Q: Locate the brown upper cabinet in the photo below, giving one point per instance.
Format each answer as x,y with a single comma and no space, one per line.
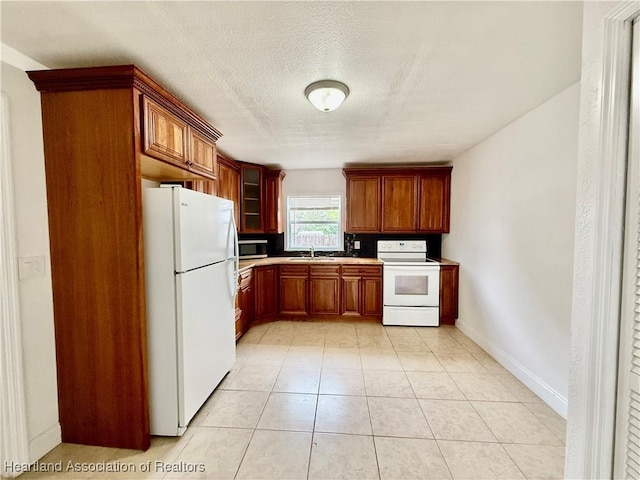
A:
434,201
203,155
260,199
251,208
272,201
168,138
205,186
165,135
229,183
363,203
398,203
398,200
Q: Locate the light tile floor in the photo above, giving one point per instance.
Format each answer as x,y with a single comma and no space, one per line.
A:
323,400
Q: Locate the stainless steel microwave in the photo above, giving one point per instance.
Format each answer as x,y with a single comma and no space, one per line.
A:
252,249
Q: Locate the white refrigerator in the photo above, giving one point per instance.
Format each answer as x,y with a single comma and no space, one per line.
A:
190,242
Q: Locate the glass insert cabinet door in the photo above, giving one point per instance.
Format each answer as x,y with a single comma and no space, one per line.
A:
251,183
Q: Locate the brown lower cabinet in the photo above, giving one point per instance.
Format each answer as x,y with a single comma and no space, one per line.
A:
238,317
265,280
351,288
361,290
332,290
324,290
293,289
449,275
245,302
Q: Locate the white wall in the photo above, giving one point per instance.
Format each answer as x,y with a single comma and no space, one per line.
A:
512,230
329,181
36,302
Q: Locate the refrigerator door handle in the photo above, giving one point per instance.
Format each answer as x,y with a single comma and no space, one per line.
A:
232,227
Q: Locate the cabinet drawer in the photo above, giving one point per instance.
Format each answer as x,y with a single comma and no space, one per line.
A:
245,281
246,274
360,270
165,136
294,270
325,270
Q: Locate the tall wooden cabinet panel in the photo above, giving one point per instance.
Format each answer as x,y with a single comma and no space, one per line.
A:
97,267
363,204
229,184
449,281
293,289
433,205
251,214
265,280
398,203
272,201
94,147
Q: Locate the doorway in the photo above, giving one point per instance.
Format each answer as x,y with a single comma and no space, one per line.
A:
627,436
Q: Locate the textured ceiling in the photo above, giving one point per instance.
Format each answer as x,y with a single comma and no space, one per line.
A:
428,79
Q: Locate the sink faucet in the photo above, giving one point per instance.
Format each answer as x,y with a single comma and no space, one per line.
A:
312,251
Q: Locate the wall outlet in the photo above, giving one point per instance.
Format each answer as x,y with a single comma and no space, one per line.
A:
30,267
356,244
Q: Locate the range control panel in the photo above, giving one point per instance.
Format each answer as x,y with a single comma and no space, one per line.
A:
400,246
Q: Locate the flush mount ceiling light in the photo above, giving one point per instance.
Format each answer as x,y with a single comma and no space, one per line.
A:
326,95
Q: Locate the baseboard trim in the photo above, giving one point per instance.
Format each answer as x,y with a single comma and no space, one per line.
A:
45,442
545,392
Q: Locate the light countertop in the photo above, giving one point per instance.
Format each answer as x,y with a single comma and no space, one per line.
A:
244,264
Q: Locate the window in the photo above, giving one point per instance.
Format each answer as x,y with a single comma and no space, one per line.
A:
314,220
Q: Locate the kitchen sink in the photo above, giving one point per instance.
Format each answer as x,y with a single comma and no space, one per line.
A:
314,259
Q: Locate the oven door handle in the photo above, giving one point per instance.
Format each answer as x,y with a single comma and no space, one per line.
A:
414,269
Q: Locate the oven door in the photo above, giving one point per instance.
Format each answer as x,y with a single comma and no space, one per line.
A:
411,285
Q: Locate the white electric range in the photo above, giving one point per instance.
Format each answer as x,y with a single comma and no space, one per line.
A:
411,285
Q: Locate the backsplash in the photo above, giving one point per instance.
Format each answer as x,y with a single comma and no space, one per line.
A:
368,244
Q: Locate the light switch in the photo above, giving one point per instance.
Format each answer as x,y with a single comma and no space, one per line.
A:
356,244
30,267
